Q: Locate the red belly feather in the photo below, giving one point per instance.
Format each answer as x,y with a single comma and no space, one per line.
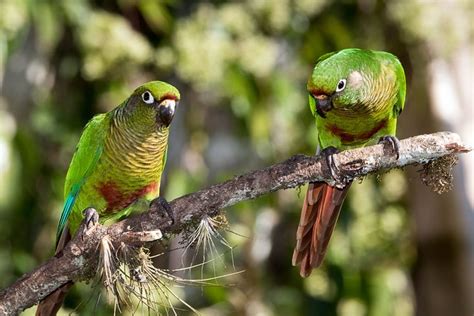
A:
118,199
349,137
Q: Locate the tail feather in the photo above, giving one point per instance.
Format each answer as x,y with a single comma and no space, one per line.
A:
50,305
319,214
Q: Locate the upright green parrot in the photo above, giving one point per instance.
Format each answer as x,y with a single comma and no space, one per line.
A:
356,96
117,166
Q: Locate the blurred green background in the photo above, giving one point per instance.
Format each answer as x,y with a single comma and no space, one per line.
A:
241,67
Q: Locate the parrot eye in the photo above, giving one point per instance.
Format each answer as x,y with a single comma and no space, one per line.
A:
341,85
147,97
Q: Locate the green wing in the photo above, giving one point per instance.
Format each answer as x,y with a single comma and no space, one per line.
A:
83,163
398,108
397,67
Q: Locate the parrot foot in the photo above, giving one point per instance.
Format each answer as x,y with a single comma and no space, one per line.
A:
161,204
392,144
328,153
91,219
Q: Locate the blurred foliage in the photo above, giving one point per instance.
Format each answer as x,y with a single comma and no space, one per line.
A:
241,67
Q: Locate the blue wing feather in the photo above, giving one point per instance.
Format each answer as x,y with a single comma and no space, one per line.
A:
69,203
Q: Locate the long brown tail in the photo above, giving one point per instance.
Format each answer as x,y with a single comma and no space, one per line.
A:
50,305
319,214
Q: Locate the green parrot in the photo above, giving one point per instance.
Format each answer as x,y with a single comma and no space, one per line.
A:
356,97
117,166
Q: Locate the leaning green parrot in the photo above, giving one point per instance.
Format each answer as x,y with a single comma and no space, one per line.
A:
117,166
356,97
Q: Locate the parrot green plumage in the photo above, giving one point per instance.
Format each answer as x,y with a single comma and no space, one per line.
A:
118,163
356,96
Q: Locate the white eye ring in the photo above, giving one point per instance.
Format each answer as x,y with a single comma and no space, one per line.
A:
147,97
341,85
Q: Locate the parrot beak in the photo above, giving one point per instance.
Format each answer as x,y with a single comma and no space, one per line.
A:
323,104
166,110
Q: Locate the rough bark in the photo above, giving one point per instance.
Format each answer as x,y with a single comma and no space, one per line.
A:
78,260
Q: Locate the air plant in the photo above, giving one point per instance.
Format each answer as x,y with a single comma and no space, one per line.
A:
205,239
129,275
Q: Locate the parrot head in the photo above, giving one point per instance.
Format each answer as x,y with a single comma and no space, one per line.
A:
342,80
154,102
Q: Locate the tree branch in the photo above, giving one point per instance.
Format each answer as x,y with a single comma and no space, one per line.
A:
78,261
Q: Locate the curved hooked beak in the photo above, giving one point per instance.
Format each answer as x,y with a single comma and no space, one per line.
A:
323,104
166,110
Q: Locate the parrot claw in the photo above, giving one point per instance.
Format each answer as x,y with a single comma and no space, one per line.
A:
91,219
328,153
392,143
161,204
